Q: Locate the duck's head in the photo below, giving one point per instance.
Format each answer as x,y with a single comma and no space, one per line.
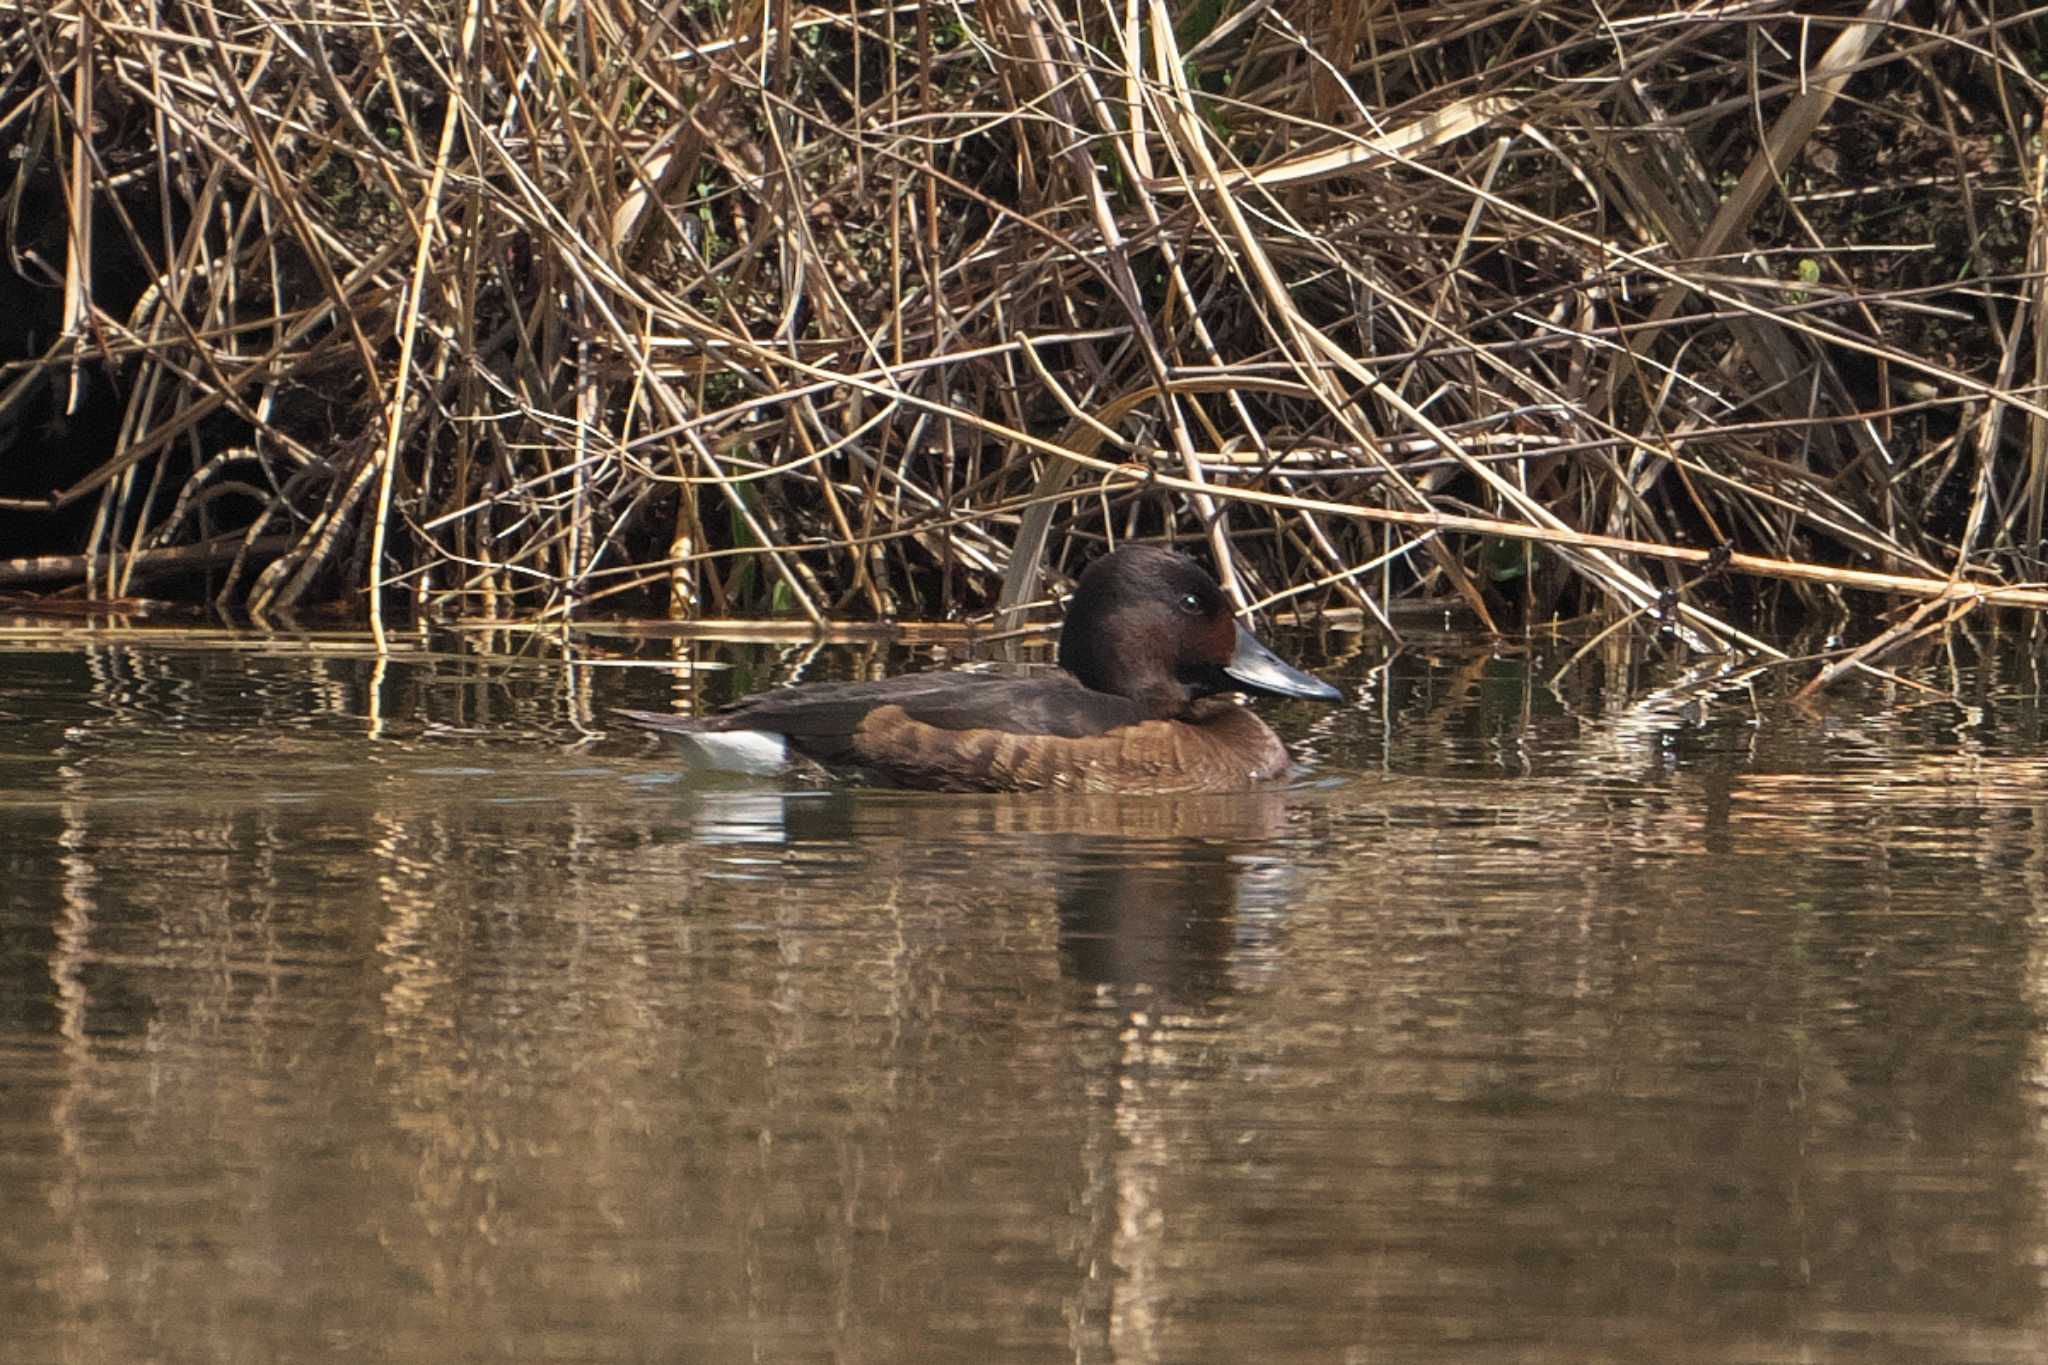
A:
1145,623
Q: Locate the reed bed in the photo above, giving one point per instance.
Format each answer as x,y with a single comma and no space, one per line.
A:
1680,318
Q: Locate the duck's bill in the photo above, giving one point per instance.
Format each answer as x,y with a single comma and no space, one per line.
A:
1256,668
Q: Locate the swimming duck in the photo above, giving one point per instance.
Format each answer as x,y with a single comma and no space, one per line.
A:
1149,653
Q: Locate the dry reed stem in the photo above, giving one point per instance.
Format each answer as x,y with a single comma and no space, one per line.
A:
889,310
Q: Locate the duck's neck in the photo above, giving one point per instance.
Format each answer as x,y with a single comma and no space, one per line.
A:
1103,662
1162,697
1158,694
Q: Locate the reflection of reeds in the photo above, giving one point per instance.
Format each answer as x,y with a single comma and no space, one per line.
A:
754,309
419,1020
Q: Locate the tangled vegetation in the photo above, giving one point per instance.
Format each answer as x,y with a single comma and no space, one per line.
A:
1694,314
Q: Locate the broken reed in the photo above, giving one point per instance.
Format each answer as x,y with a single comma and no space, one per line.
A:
887,310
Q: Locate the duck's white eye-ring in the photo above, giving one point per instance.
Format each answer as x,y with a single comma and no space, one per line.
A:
1191,603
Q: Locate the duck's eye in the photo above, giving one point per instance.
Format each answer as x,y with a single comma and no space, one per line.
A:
1191,603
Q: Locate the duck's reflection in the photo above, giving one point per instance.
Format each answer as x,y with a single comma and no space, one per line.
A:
1150,920
1163,917
1169,912
1154,896
1139,924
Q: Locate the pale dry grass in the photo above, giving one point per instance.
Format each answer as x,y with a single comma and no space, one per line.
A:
1633,310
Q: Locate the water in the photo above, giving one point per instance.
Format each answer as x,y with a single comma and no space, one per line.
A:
409,1012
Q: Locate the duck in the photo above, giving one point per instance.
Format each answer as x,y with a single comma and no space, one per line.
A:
1150,659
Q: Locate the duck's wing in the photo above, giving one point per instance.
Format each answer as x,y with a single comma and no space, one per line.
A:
824,721
1053,705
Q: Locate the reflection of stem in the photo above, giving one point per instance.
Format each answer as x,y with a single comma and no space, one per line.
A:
85,1269
1138,1245
426,1078
2033,875
373,695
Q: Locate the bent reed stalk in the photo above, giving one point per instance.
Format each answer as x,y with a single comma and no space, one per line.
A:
877,310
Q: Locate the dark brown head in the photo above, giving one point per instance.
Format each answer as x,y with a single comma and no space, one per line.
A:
1147,624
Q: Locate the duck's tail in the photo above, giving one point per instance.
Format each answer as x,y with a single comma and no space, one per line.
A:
760,752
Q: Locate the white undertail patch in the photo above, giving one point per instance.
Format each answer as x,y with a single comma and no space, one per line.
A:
763,753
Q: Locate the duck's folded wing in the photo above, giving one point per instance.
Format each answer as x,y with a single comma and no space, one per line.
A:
823,721
1054,705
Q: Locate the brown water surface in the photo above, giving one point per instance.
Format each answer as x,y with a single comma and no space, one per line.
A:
409,1012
